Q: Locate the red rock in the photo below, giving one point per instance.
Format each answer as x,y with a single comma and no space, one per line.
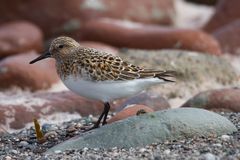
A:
220,100
152,100
226,12
20,108
19,36
64,17
228,37
130,111
16,71
100,46
135,35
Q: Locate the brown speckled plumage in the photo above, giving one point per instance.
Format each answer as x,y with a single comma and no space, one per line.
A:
98,75
94,65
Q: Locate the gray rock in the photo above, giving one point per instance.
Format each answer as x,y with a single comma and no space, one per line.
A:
23,144
191,66
209,156
150,128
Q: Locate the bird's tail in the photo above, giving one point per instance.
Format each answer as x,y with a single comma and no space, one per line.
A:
167,76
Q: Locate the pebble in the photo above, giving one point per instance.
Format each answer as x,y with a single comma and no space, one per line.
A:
209,156
217,145
71,129
58,151
23,145
142,150
52,135
8,158
49,127
14,151
167,151
225,137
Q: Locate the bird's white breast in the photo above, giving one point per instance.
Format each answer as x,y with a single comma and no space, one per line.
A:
108,90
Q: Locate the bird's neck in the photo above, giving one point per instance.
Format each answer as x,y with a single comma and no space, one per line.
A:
63,68
72,64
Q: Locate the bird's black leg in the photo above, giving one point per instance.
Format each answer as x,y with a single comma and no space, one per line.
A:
104,113
107,107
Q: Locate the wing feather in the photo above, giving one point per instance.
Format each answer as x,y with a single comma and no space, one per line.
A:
104,66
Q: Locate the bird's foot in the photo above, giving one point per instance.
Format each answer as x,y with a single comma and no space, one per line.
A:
104,122
91,128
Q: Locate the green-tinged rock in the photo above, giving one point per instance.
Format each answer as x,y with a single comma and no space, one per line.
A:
191,66
150,128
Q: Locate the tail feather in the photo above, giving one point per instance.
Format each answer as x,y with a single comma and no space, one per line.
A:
164,75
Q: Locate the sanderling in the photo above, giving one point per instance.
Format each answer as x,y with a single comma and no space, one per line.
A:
99,75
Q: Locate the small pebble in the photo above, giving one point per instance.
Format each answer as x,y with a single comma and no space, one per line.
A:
58,151
49,127
167,151
71,129
209,156
23,143
85,149
217,145
142,150
8,158
51,135
225,137
14,151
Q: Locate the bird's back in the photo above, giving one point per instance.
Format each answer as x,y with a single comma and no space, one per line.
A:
94,65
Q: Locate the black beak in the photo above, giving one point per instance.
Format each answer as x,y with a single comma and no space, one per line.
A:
45,55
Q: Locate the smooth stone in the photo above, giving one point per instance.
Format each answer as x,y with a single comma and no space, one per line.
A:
209,156
47,14
227,99
122,33
154,127
190,66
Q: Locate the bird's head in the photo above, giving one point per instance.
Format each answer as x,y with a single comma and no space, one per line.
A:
59,48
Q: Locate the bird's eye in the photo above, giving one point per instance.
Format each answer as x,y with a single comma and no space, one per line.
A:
60,46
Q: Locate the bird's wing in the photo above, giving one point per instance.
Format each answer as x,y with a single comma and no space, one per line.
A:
105,66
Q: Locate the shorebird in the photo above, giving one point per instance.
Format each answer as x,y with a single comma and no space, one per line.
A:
99,75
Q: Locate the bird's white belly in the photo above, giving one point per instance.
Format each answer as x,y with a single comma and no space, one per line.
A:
108,90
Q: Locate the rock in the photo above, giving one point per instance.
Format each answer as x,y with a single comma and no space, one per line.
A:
49,16
149,128
135,35
182,62
8,158
18,109
51,136
16,71
209,156
154,100
196,72
228,37
226,12
49,127
13,151
167,152
23,144
129,111
220,100
225,137
2,130
19,36
100,46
